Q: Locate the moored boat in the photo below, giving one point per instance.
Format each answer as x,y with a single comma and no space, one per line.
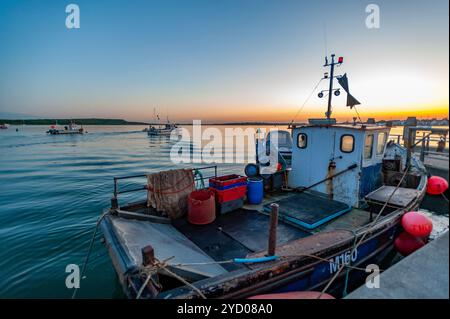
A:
4,126
344,193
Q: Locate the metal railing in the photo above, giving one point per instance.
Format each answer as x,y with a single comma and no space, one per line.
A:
117,191
424,136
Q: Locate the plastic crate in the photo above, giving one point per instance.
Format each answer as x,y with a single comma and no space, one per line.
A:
221,188
227,195
227,181
226,207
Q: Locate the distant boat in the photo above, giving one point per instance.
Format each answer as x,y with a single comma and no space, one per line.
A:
4,126
72,128
159,130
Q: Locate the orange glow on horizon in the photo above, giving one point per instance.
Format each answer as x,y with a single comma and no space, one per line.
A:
286,114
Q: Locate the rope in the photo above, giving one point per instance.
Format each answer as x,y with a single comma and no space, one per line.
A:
91,244
446,199
357,114
162,190
365,233
280,257
155,267
347,273
152,190
304,103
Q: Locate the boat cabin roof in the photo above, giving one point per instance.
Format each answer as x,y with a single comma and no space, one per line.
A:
360,127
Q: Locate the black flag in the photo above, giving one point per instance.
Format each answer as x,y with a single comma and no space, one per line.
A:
351,100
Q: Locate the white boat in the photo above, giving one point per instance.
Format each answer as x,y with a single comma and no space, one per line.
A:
161,130
72,128
4,126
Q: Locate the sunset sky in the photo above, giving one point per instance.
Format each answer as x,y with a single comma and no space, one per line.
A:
221,60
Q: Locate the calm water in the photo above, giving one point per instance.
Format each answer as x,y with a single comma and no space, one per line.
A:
52,190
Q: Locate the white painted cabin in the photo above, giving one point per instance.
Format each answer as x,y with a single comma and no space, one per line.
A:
316,145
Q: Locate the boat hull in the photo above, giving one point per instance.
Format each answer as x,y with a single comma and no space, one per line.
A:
296,274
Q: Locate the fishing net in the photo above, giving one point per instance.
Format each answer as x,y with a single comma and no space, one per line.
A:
168,191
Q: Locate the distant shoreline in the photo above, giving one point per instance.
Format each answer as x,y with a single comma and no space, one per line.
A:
96,121
91,121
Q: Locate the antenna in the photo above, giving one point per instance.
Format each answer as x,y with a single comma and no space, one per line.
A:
325,37
330,76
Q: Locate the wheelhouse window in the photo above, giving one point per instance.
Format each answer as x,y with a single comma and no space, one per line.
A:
368,146
347,143
302,140
381,142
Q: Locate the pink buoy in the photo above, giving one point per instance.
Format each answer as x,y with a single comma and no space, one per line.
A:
436,185
406,243
417,224
294,295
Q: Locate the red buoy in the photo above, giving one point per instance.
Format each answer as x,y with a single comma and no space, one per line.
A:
436,185
201,207
417,224
406,243
294,295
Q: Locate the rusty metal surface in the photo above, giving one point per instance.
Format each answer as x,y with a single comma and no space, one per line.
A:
309,245
401,198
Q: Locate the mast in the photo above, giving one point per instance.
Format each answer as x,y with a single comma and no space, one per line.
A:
330,96
331,76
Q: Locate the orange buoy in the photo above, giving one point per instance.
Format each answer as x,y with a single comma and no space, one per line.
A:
406,243
436,185
201,207
294,295
417,224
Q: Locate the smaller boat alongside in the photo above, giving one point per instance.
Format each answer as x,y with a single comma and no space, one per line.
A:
70,129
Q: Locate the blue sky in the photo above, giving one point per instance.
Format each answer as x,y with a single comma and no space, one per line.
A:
218,60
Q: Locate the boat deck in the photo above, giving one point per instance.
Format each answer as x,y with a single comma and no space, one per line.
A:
237,234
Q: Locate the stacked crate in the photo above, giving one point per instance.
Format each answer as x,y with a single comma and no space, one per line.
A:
230,192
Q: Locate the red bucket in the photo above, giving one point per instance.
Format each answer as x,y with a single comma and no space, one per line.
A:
201,207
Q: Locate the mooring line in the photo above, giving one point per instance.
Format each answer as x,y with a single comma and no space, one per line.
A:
91,244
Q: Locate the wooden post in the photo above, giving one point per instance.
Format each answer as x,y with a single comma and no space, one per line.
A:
148,255
422,149
114,202
273,229
148,259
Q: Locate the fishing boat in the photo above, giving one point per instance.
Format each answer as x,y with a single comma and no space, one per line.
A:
4,126
70,129
345,192
162,130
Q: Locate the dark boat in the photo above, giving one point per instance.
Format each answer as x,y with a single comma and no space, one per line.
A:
344,194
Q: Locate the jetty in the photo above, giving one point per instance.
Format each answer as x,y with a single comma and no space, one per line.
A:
421,275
